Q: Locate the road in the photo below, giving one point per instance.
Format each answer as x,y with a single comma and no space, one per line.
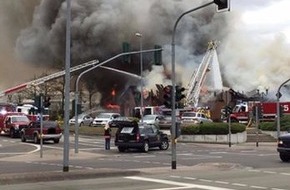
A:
210,178
242,166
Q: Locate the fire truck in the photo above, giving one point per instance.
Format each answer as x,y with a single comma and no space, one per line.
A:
11,121
32,112
242,112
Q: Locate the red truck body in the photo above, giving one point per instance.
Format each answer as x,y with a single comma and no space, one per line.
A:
11,123
242,112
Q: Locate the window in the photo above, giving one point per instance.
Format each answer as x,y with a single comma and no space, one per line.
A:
127,130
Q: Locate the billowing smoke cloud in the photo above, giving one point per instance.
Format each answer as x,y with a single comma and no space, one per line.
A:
251,62
14,15
100,26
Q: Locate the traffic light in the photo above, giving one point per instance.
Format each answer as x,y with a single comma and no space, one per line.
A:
258,109
126,48
222,5
281,110
46,102
157,55
179,95
79,107
228,111
167,96
37,102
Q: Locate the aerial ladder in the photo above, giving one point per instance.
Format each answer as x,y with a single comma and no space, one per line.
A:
42,80
209,63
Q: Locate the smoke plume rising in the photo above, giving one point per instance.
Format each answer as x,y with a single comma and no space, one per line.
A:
99,27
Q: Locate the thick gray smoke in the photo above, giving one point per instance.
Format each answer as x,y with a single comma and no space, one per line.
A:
14,15
99,27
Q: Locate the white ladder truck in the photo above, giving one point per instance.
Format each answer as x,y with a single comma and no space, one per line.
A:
209,63
45,79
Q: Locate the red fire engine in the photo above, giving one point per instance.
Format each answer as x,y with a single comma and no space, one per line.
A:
242,112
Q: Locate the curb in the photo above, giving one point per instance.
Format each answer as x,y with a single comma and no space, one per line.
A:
18,178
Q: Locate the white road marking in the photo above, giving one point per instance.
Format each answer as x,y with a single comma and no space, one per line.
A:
19,153
168,182
145,156
239,184
258,187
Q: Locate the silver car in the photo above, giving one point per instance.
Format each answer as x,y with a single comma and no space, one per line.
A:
83,119
194,117
103,118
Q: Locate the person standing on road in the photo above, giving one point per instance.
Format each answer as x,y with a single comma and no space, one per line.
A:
107,135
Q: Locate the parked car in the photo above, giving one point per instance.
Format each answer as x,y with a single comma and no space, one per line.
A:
152,119
103,118
284,147
194,117
131,134
166,121
50,131
83,119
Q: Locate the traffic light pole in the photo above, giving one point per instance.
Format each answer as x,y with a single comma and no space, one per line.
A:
173,114
41,125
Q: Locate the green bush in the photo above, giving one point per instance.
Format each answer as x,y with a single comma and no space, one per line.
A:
188,130
212,128
272,126
267,126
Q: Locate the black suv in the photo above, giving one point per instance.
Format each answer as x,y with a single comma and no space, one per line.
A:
284,147
130,134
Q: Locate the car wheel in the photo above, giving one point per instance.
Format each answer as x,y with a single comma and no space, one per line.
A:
36,140
145,147
81,124
23,139
56,141
284,157
121,149
12,133
164,145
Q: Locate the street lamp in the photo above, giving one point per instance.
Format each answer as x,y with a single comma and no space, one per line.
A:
278,95
139,35
173,95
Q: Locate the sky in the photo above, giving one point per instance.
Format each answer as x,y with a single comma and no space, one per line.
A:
254,55
265,21
262,40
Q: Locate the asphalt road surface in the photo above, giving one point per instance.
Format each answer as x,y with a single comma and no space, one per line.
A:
243,166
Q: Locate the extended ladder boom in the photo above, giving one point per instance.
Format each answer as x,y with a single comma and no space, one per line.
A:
198,78
46,78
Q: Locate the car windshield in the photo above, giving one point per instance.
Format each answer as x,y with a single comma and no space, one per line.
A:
79,116
47,124
20,119
191,114
104,116
149,117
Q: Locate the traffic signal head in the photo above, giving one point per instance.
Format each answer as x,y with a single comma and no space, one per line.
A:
157,55
167,96
281,110
222,5
228,111
126,48
46,102
179,93
37,102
